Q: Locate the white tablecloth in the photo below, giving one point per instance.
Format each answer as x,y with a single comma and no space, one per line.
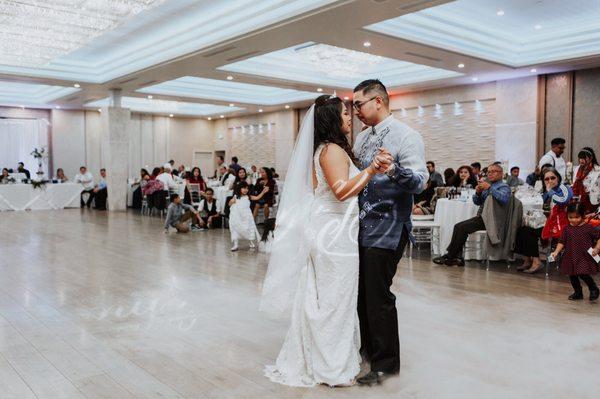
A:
19,197
450,212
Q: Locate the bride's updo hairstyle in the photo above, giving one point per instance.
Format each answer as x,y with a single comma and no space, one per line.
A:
328,124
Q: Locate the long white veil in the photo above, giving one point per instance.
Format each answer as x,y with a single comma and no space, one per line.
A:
290,249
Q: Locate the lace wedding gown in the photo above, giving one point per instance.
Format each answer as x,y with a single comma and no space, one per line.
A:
323,342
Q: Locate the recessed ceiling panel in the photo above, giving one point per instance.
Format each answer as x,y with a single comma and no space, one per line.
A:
326,65
510,32
30,94
235,92
166,107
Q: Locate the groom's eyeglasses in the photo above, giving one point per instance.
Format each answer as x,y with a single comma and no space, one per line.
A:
358,104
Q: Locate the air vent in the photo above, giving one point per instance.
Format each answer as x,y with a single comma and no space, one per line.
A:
243,55
127,80
379,1
219,51
148,83
426,57
414,4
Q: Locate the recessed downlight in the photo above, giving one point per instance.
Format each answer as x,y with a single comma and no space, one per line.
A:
500,13
229,77
461,65
150,96
367,44
77,85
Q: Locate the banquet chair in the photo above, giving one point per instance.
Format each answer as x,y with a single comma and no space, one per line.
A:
195,196
425,230
145,209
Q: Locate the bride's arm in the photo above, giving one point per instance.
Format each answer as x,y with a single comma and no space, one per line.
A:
335,164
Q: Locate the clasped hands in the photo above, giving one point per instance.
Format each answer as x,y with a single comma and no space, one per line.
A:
383,161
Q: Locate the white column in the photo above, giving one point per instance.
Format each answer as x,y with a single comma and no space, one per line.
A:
115,155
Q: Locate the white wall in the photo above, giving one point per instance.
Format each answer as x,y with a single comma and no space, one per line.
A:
68,141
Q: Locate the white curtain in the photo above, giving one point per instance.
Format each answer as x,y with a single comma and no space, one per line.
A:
18,138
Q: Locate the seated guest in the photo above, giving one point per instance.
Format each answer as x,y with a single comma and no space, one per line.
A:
21,169
434,175
179,213
217,175
265,198
167,179
4,177
209,214
448,176
136,201
196,178
423,201
60,175
464,177
152,186
476,168
499,191
274,173
556,197
514,180
586,184
241,176
534,176
101,192
86,179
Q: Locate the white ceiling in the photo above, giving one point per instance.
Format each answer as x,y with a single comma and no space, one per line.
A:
166,107
183,50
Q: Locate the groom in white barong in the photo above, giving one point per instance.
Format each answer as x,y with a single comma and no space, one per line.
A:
385,224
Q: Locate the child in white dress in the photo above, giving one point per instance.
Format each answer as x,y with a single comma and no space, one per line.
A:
241,221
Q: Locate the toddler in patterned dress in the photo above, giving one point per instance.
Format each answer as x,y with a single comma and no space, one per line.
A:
576,239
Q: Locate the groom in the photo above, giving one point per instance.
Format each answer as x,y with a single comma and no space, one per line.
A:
385,225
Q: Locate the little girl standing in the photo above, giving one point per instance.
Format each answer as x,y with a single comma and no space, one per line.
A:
241,220
576,239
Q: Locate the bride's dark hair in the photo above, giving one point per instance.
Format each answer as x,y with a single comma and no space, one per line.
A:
328,124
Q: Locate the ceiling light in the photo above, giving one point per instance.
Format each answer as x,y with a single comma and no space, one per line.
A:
287,107
475,79
260,110
209,118
76,85
537,27
367,44
221,116
231,104
500,13
229,77
346,98
319,90
533,70
461,65
57,107
170,115
99,109
150,97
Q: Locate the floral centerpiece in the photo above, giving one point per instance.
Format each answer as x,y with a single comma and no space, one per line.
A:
40,155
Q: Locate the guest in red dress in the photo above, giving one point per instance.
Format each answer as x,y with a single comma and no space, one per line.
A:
577,237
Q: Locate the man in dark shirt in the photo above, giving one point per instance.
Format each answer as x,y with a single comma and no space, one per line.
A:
21,169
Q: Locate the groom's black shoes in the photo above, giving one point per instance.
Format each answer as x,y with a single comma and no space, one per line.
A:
371,378
440,260
455,262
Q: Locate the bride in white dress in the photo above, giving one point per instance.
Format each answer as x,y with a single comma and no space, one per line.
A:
314,257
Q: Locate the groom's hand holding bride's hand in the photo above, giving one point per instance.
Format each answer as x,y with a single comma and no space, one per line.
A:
383,160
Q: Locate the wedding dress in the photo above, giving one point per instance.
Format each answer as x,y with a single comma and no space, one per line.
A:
322,344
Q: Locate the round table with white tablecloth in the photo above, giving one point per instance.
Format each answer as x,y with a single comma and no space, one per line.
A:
20,197
450,212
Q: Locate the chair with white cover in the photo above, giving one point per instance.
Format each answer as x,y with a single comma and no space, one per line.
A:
425,230
195,195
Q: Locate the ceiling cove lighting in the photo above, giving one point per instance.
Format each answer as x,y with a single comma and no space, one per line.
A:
329,66
476,28
166,107
230,92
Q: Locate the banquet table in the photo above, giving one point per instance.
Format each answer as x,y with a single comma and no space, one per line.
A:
20,197
450,212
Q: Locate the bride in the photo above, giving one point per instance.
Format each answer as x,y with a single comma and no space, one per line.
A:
313,270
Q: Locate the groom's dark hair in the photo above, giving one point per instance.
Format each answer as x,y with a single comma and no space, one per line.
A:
373,86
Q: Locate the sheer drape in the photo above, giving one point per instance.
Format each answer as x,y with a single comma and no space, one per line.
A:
18,137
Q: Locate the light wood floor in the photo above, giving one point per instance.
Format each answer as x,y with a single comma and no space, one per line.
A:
106,306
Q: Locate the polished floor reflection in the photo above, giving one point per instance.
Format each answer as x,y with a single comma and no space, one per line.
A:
106,306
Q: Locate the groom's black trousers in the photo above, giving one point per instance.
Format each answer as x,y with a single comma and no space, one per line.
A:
377,306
